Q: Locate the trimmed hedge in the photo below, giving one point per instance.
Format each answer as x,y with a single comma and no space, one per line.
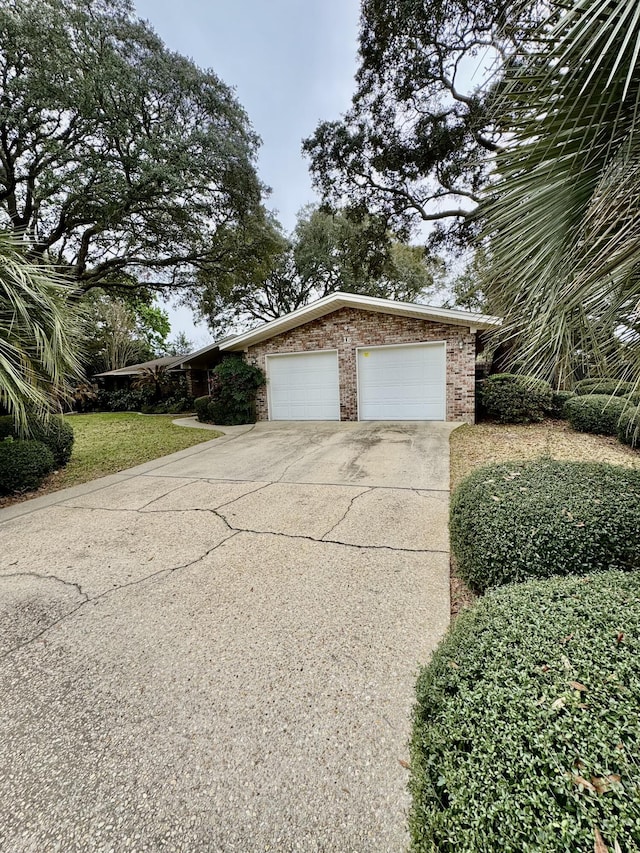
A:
515,521
597,413
515,399
527,728
629,427
559,399
56,434
23,464
610,387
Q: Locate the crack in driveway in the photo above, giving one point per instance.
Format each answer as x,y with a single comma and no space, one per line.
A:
108,592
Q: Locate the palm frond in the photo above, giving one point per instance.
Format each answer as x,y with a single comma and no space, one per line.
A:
563,217
39,330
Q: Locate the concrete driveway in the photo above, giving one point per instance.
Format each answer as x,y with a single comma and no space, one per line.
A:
216,651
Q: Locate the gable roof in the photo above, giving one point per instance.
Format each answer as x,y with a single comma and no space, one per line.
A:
171,362
337,300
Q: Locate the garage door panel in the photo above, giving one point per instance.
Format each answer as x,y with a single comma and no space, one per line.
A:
304,386
402,383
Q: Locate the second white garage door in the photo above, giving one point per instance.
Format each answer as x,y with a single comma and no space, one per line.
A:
304,386
402,383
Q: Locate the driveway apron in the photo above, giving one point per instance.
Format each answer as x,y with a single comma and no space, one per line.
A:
216,651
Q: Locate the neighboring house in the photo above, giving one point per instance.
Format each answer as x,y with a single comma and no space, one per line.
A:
348,357
195,367
121,378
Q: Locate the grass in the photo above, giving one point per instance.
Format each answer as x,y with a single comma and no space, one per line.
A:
108,442
473,446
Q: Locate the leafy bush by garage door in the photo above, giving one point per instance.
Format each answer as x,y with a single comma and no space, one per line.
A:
234,387
512,522
527,729
596,413
515,399
23,465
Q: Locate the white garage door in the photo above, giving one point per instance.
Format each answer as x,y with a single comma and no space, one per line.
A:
303,387
403,383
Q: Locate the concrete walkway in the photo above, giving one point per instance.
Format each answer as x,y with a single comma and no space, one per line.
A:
216,651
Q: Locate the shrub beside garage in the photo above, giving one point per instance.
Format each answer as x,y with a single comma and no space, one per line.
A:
510,398
516,521
596,413
527,728
233,400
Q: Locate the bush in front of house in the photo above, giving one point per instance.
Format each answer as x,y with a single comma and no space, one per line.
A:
56,433
610,387
559,399
525,735
201,405
514,399
174,405
234,387
596,413
23,464
516,521
629,427
124,399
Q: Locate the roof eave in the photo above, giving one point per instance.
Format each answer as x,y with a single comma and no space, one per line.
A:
335,301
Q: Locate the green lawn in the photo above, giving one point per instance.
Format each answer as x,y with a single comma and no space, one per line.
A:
113,441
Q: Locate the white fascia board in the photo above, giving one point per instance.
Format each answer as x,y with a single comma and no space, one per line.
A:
338,300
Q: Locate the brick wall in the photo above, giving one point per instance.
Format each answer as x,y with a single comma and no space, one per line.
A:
348,328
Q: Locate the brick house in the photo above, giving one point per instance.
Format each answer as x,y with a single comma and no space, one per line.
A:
348,357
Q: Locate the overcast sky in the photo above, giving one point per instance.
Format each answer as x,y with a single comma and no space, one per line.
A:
291,63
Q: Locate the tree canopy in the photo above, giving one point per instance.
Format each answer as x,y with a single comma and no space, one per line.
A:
122,330
119,159
416,144
267,273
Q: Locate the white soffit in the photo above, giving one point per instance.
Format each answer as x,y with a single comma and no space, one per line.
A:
335,301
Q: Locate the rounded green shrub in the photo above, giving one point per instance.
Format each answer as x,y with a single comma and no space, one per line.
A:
629,427
610,387
201,405
597,413
55,433
559,399
527,727
516,521
512,399
23,464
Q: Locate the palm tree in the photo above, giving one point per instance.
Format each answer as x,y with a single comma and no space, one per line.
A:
563,217
39,329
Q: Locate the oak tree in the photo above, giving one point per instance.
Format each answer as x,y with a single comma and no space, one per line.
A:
119,159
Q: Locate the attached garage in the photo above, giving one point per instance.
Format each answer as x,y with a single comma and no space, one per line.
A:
348,357
303,386
403,383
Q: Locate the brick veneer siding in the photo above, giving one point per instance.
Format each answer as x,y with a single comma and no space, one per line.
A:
348,328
